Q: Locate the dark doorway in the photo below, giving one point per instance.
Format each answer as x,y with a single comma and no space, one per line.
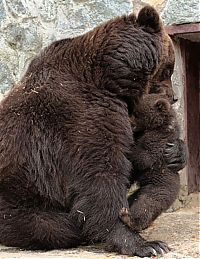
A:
191,56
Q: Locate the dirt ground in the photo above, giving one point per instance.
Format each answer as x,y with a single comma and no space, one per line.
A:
181,230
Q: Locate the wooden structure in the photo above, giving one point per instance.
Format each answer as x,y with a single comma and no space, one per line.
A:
189,35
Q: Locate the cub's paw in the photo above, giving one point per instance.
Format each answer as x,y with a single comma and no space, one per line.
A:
152,248
125,216
176,155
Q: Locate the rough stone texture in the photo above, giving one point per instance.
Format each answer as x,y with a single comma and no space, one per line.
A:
178,85
158,4
26,26
181,11
179,229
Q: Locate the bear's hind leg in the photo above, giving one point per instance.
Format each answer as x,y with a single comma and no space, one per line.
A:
31,228
97,210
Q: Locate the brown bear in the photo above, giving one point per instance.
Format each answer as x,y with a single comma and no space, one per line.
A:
154,124
65,134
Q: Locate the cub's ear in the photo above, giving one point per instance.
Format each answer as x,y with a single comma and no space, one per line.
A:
162,105
149,19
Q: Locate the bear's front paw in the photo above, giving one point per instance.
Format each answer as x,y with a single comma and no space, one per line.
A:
152,248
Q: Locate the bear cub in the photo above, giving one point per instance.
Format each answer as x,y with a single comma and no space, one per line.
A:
154,125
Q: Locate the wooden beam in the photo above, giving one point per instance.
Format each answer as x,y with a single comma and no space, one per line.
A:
192,111
183,28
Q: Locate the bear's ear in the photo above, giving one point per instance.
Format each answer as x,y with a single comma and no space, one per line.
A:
162,105
149,19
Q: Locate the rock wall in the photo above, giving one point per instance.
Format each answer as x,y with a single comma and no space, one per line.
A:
181,11
29,25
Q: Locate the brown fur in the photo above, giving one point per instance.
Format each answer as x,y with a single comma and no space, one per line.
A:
161,81
65,134
155,125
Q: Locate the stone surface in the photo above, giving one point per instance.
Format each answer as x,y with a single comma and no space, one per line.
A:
181,11
178,86
28,26
179,229
158,4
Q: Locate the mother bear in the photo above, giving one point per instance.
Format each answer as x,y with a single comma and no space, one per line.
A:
65,135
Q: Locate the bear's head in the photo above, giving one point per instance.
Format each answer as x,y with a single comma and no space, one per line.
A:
160,82
154,111
125,54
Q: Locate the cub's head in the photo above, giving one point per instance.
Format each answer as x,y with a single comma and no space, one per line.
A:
154,111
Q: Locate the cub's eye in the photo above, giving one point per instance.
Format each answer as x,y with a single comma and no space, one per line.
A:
154,89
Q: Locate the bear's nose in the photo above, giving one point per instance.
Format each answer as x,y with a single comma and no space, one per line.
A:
175,98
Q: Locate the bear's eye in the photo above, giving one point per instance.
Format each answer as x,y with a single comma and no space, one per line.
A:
166,73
